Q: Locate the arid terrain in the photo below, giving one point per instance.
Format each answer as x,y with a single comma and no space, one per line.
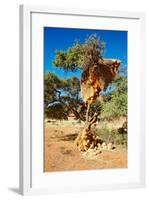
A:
62,155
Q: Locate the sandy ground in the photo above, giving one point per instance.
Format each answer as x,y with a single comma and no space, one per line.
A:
62,155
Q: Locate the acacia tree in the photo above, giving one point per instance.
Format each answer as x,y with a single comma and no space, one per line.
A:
63,95
82,57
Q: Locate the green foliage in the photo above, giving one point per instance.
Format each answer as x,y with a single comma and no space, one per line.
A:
112,136
51,81
56,111
72,87
61,97
80,55
116,103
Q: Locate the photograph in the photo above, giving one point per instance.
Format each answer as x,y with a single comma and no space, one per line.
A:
85,99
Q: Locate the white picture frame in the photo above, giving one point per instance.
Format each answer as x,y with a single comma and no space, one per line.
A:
31,146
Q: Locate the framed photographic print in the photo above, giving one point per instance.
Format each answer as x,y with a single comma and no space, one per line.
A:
82,100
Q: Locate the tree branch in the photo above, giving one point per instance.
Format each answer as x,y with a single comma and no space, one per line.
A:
75,112
53,101
93,120
87,113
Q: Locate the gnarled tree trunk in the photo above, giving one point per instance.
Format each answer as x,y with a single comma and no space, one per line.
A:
87,139
94,79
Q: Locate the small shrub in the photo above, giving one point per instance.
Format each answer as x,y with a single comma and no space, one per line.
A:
113,136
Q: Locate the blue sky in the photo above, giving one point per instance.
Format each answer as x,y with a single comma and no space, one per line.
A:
62,38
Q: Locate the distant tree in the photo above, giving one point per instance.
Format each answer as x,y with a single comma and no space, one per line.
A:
115,104
62,97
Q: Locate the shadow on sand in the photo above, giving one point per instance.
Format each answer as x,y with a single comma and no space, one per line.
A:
69,137
15,190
